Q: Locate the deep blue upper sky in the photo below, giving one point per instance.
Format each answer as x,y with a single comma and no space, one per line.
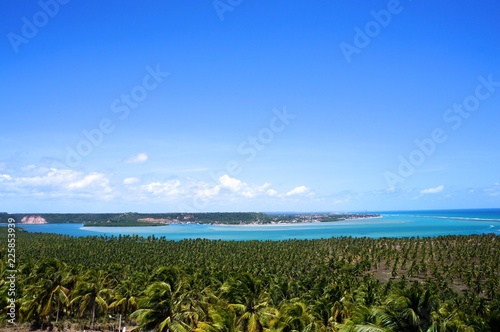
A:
249,105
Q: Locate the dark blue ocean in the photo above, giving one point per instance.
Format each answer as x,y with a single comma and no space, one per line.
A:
390,224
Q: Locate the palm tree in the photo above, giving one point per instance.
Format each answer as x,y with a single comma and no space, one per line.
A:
125,297
369,319
248,298
92,292
49,285
410,309
448,319
221,319
161,309
296,316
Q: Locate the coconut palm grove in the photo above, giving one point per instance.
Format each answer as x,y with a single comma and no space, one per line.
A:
445,283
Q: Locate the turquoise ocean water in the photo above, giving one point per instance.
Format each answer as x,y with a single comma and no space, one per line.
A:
391,224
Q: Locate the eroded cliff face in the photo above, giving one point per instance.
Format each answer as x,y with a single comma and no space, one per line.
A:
33,220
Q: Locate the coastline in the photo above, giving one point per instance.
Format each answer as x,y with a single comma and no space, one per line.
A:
223,219
298,223
385,226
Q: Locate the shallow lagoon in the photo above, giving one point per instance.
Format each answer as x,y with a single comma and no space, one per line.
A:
391,224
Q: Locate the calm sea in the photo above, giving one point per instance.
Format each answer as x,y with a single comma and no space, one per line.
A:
391,224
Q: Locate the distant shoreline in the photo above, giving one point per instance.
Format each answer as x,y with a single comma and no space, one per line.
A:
300,223
134,219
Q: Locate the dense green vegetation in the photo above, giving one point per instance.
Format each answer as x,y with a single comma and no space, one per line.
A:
341,284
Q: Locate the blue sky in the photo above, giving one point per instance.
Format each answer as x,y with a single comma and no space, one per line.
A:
160,106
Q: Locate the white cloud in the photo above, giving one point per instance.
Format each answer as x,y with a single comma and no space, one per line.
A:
434,190
169,188
139,158
54,182
255,191
297,191
226,189
129,181
493,190
92,179
41,183
5,177
236,186
271,192
231,183
205,191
